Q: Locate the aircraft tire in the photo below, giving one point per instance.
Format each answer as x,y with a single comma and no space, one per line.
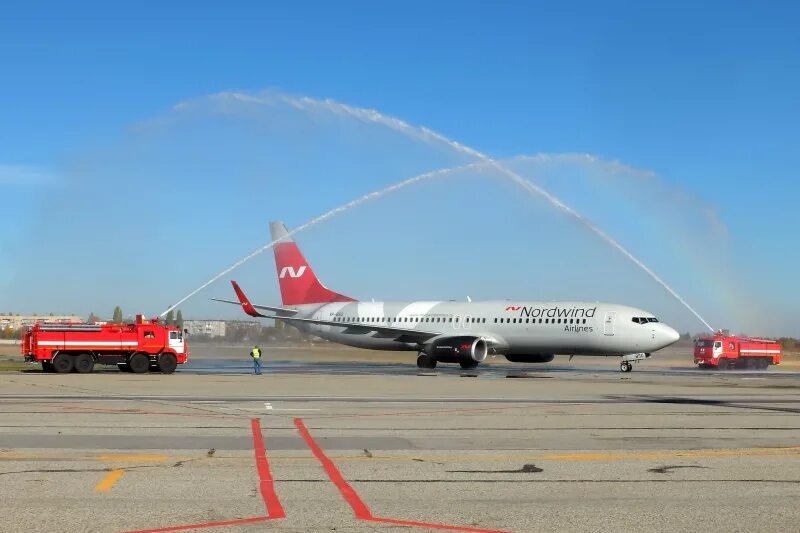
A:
625,366
425,361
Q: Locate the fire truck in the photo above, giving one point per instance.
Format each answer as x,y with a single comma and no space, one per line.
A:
145,345
722,351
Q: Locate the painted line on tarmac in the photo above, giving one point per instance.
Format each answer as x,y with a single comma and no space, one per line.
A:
266,482
266,487
132,458
621,456
355,502
109,481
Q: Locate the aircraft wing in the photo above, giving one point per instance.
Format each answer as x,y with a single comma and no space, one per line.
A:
399,334
250,308
284,311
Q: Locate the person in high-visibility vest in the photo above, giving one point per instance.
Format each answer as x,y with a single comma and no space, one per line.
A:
255,353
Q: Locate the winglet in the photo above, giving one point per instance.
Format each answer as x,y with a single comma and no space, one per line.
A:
246,305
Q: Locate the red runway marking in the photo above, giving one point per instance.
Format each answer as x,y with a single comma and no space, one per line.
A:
355,502
266,487
267,484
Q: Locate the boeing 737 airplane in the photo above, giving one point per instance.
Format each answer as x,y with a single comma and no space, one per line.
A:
456,332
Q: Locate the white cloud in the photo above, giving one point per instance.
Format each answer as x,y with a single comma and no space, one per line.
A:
27,175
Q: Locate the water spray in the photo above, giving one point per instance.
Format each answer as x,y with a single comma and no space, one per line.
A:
325,216
424,133
421,133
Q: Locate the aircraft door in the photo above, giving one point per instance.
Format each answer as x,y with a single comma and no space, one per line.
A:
608,324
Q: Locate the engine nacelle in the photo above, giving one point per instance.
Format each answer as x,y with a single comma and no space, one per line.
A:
458,349
531,358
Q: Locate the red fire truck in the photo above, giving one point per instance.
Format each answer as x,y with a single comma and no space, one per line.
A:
721,351
138,347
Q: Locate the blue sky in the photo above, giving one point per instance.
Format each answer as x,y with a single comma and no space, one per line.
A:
703,94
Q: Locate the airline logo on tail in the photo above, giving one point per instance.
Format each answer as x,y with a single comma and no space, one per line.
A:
291,272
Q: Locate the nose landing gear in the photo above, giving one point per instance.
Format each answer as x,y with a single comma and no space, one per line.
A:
627,360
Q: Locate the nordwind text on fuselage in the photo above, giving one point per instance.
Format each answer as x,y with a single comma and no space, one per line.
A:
558,312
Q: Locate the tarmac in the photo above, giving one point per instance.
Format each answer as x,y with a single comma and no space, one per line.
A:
343,445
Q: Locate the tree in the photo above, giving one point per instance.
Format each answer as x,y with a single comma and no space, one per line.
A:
93,318
117,319
179,320
170,320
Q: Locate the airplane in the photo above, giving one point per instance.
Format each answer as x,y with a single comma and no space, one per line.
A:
463,332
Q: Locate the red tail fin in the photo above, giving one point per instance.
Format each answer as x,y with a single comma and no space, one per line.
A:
299,285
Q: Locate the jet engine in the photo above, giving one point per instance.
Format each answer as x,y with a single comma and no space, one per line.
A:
531,358
458,349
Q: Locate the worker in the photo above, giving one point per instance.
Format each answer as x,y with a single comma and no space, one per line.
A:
255,353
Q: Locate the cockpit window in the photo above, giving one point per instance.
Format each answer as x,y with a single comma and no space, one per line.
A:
644,319
652,319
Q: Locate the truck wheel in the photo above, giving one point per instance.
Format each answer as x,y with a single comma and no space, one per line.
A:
167,363
139,363
62,363
84,363
47,367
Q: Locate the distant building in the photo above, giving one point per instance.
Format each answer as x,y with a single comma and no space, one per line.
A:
209,328
216,328
20,321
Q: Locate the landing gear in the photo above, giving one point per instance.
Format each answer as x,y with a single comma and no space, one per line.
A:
628,359
425,361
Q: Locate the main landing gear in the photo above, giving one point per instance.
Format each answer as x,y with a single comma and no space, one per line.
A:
425,361
625,366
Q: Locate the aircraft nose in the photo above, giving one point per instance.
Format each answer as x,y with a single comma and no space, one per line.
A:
670,335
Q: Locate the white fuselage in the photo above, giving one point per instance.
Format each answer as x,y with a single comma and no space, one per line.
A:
509,327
